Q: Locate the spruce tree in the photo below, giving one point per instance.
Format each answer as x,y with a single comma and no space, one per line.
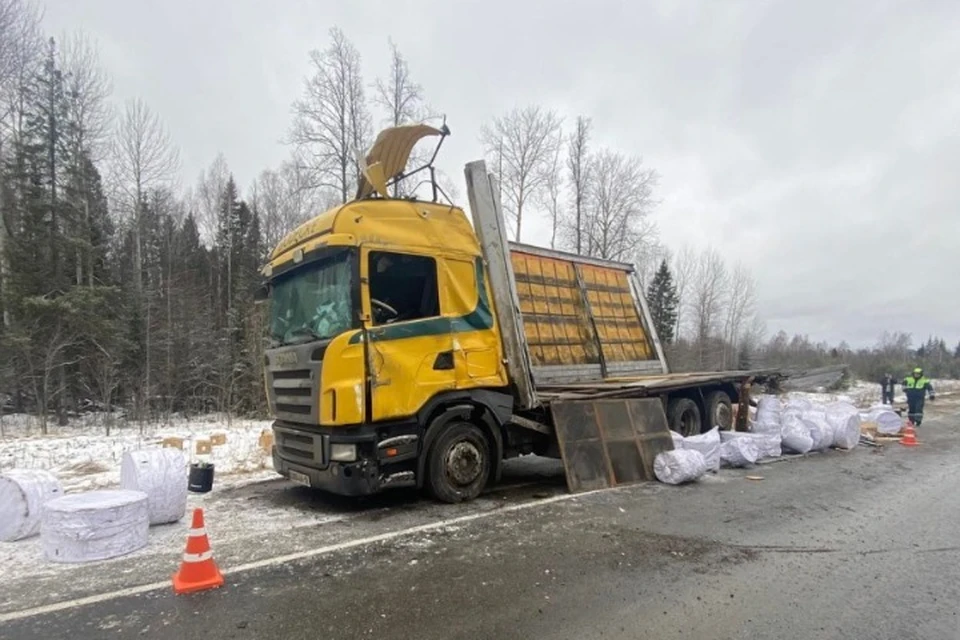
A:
663,302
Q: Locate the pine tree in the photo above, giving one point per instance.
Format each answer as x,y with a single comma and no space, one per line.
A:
663,302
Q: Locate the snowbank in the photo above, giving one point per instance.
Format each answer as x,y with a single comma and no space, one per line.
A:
84,457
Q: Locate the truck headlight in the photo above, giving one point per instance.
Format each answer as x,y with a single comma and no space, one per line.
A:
343,452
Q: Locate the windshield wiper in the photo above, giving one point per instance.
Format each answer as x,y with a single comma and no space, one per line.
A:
307,333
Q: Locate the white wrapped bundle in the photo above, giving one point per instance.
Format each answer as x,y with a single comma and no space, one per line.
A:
162,475
97,525
798,404
767,444
847,433
679,466
886,419
768,415
820,432
677,440
769,405
23,492
844,419
796,435
708,444
739,452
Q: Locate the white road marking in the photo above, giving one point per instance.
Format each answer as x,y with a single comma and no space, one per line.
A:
290,557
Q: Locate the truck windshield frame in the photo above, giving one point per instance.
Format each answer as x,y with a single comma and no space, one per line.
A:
315,301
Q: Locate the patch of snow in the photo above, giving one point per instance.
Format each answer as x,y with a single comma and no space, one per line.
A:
85,458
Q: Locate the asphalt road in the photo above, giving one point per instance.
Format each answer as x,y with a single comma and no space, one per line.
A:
840,545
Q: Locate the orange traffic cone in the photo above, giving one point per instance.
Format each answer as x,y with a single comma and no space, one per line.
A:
198,571
909,438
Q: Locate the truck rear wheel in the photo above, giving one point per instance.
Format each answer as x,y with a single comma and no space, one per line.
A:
719,411
683,415
458,464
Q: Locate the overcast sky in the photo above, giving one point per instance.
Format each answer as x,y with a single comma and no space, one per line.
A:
818,142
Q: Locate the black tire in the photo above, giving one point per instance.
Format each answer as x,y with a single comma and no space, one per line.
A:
683,416
458,464
719,411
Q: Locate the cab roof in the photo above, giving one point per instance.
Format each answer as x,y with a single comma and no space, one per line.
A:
386,223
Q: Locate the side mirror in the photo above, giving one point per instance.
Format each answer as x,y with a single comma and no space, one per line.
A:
262,293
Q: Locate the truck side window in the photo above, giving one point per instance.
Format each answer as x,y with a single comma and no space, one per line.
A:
402,287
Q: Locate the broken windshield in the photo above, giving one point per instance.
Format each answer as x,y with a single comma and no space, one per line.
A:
313,302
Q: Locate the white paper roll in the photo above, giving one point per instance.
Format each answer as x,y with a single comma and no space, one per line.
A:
98,525
23,493
162,475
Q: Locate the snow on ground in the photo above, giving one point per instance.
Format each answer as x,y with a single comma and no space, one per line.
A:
867,394
84,457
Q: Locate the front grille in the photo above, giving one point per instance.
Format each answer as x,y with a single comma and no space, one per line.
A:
300,446
294,393
293,377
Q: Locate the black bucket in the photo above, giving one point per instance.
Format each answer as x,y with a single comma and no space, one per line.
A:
201,478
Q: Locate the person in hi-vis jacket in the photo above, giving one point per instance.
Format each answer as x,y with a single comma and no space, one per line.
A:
917,387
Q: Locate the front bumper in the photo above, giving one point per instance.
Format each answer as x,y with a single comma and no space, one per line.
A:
361,478
307,452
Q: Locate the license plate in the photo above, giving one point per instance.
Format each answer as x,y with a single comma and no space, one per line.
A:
299,478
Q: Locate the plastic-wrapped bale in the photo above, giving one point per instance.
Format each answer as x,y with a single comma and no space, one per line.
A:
679,466
739,452
887,421
798,404
844,418
795,435
162,475
97,525
769,414
820,431
708,444
768,444
23,492
677,440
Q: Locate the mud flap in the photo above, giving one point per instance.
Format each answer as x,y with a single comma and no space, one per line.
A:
609,442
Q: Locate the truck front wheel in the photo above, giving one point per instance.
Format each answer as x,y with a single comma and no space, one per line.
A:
458,464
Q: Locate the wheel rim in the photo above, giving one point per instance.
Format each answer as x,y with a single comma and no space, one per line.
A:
464,463
691,426
723,416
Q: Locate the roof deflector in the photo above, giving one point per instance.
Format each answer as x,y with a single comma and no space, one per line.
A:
385,164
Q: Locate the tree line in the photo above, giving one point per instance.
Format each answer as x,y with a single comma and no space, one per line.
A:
118,288
121,289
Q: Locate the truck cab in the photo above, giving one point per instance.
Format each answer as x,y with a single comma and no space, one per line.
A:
411,348
382,325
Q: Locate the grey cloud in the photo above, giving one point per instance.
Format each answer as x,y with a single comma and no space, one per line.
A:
817,142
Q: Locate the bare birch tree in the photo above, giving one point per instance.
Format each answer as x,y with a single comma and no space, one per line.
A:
86,91
684,266
522,145
143,158
332,124
21,55
708,289
284,201
740,307
618,215
208,193
578,165
552,196
397,94
402,100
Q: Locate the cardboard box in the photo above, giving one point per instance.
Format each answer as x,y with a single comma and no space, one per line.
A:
172,443
266,441
218,439
204,447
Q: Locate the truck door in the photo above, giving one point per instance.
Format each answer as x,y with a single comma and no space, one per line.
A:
410,346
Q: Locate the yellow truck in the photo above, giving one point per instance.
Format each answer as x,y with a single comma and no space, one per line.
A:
409,348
